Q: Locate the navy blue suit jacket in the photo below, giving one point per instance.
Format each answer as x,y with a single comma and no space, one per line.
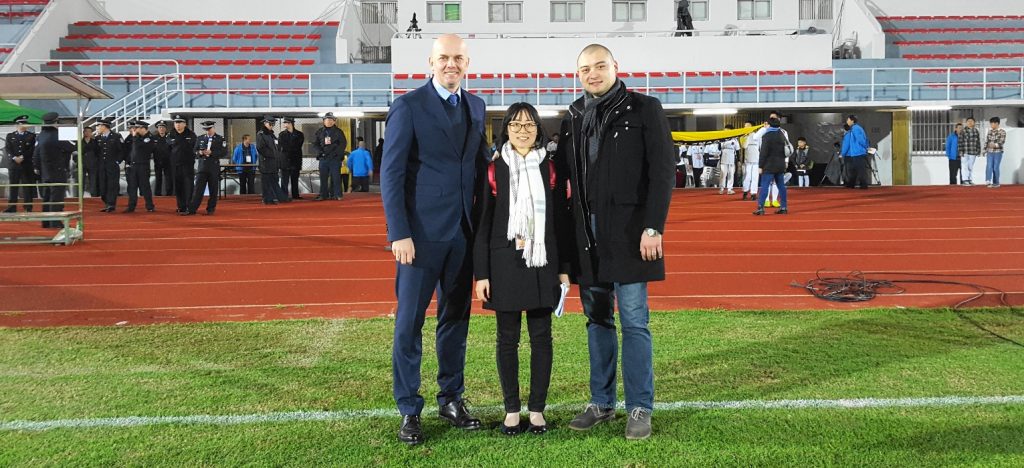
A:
426,184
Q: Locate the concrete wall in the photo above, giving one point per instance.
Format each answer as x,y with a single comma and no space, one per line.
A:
708,53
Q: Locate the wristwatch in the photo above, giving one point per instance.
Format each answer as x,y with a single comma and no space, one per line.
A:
651,232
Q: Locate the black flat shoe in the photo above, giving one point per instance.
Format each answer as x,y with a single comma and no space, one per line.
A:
538,430
129,210
759,212
410,431
782,211
456,413
510,431
150,209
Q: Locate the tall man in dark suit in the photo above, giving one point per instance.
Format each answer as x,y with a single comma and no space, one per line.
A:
162,161
20,146
616,149
52,159
433,156
291,140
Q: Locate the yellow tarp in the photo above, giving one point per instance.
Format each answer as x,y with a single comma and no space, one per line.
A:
714,135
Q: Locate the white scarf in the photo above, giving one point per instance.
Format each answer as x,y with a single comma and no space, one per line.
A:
526,204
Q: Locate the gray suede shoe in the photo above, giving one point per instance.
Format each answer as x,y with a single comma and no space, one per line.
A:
591,416
638,426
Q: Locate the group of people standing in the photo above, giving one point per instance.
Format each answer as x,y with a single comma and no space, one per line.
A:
43,157
592,214
963,148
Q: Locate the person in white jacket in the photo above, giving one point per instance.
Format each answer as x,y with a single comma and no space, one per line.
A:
727,165
752,152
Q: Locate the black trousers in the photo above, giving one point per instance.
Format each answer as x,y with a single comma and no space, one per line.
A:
697,172
684,24
54,195
286,177
293,172
164,177
204,180
184,175
110,181
21,174
92,175
360,184
247,181
857,172
538,324
954,169
138,182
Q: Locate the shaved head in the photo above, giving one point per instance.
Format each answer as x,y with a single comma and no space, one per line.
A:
449,59
594,49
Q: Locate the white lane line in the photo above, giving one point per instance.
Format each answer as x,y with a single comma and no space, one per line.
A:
994,272
386,259
348,415
393,303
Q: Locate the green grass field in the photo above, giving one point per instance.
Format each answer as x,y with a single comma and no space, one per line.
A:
344,365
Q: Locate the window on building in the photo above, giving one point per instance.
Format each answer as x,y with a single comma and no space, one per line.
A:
624,11
929,129
444,12
379,12
567,12
754,9
506,12
815,9
698,10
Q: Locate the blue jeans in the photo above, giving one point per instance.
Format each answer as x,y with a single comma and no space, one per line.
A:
602,341
992,167
766,181
330,178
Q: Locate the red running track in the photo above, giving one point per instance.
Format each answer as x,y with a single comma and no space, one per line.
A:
327,259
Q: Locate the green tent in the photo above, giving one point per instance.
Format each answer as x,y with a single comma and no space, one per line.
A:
9,112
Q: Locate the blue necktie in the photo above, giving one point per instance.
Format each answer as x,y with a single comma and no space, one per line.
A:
453,99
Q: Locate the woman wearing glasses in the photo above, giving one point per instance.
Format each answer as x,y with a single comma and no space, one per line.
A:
516,259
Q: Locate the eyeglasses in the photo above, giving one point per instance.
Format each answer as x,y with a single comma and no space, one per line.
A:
518,126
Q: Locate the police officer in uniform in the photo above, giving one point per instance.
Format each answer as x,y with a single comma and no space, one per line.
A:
140,150
209,149
291,141
51,160
183,162
268,148
110,148
21,144
162,160
330,147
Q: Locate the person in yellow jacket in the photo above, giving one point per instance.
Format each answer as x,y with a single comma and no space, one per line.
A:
346,176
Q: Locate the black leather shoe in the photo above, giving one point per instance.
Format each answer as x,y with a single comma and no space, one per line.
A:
510,430
410,431
109,209
151,209
318,198
538,430
745,194
455,412
209,212
11,209
187,213
782,211
129,210
759,212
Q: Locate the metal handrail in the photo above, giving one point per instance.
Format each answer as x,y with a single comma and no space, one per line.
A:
601,34
25,66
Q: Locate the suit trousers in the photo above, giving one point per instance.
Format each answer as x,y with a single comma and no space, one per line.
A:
184,176
446,267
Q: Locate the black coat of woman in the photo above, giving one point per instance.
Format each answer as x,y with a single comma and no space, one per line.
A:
514,286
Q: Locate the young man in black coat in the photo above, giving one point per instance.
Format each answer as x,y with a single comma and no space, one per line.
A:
51,159
773,166
616,148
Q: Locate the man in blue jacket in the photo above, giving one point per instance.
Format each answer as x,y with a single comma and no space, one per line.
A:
953,153
245,153
433,155
360,165
854,152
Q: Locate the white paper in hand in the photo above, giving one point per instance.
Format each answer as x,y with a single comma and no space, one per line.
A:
560,309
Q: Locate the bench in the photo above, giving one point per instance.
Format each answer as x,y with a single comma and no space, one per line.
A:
66,236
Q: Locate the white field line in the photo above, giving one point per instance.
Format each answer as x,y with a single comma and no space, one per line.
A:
393,303
385,259
667,231
974,272
60,252
311,416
